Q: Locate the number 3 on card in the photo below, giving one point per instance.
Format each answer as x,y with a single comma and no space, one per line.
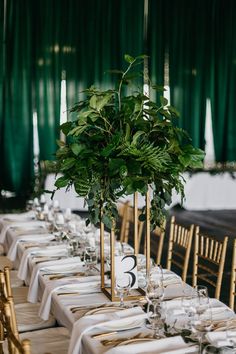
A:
127,266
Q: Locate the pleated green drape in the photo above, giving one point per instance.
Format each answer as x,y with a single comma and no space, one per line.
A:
47,39
187,40
105,31
223,78
156,44
49,24
81,40
16,150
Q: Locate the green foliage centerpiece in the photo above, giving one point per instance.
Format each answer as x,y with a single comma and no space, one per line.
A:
121,143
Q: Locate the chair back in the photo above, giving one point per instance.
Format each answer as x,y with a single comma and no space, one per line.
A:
127,223
209,260
159,235
233,279
179,247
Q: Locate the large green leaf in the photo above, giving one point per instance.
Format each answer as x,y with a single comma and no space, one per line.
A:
115,165
68,163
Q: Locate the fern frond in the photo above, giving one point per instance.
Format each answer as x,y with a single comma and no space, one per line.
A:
150,156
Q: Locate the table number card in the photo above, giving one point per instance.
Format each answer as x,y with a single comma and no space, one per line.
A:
127,266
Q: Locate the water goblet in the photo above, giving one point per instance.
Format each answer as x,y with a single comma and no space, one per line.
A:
155,319
231,330
90,258
122,287
201,322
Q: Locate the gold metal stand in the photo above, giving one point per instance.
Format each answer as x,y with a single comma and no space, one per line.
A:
110,291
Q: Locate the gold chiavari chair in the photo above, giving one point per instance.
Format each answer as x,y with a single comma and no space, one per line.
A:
233,279
127,224
55,340
157,241
26,313
10,341
179,247
209,260
14,344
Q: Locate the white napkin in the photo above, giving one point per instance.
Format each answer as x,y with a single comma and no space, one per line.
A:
85,285
23,225
29,215
219,338
32,237
169,279
57,250
171,345
85,324
53,265
220,313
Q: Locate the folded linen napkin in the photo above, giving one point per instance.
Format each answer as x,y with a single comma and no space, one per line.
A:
171,345
169,279
49,265
12,252
84,325
85,285
29,215
219,313
23,225
57,250
219,339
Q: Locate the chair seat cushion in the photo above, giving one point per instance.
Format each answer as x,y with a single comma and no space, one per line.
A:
28,319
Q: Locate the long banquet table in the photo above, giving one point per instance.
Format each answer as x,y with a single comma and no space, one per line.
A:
61,283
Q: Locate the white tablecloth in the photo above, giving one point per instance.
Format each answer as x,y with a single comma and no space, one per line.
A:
203,191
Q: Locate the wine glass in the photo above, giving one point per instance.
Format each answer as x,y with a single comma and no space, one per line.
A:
230,330
90,258
187,304
155,287
122,287
201,322
155,318
59,224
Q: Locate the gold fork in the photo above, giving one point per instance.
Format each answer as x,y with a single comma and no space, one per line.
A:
115,342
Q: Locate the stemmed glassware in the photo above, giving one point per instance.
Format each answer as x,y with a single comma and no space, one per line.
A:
122,287
155,318
201,320
231,332
155,287
90,258
59,224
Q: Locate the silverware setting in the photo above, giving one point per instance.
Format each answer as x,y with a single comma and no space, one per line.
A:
55,276
115,342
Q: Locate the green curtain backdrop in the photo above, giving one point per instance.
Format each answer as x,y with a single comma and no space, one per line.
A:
82,40
105,31
156,44
2,54
49,24
223,78
16,150
186,29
